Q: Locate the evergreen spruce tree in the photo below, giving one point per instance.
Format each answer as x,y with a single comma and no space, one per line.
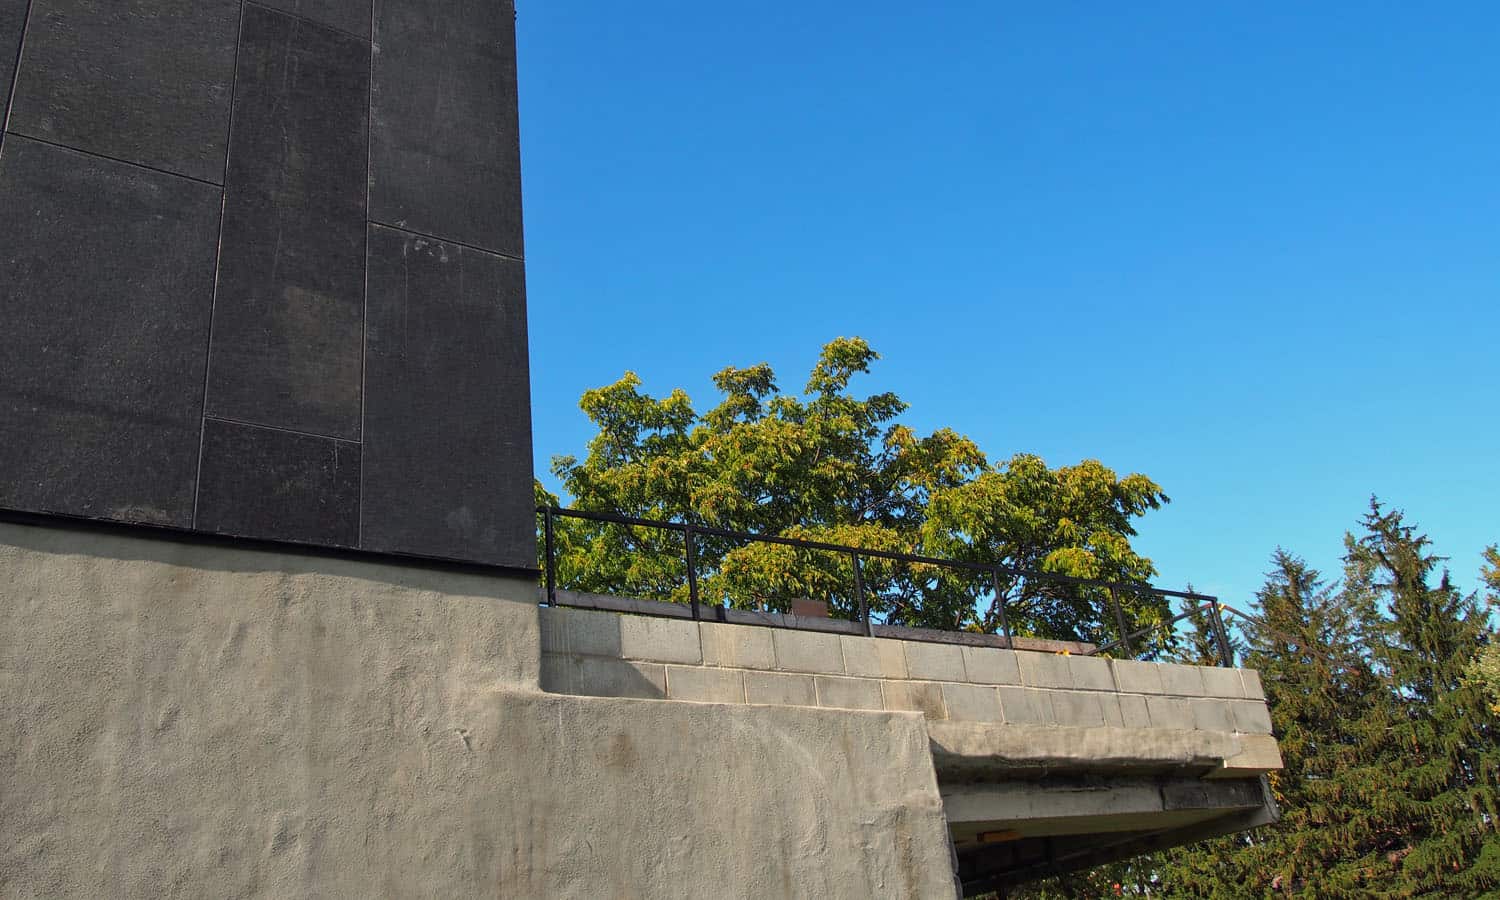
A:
1434,796
1319,688
1196,644
1486,669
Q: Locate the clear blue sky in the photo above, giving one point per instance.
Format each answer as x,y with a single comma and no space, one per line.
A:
1252,250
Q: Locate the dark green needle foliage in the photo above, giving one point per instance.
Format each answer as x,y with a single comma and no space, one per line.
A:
1384,703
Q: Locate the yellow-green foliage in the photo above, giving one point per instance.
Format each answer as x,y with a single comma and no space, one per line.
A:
836,467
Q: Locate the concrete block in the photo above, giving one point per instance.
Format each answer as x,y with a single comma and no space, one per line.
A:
1211,715
808,651
1076,708
1170,712
1256,754
925,697
1250,716
775,689
1250,680
557,673
1133,712
705,685
737,646
1110,705
972,703
1196,794
848,693
1091,673
580,632
1221,682
1024,706
873,657
1134,677
660,640
1045,670
1181,681
934,662
599,676
987,665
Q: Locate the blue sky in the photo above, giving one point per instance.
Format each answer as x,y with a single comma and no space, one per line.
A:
1252,250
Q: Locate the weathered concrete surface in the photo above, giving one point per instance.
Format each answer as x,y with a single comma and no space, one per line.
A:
184,721
1050,807
969,749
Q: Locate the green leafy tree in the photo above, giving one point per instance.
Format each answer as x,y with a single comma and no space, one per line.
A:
836,467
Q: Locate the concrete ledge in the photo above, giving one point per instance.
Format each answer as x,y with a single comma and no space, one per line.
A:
1050,807
970,750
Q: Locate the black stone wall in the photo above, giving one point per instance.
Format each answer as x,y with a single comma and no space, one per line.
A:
261,272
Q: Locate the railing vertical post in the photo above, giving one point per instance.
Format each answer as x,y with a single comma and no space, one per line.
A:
1221,635
692,570
859,595
1114,601
551,544
1000,602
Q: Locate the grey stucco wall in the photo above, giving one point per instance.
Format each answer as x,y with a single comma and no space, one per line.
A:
194,721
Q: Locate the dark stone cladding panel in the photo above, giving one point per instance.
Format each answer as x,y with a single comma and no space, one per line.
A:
106,279
352,16
288,329
444,146
145,81
12,26
447,448
277,485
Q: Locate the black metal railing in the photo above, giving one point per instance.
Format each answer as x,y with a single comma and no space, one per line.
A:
998,573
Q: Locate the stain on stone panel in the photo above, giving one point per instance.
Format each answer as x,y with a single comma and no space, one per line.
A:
145,81
447,446
288,330
444,154
352,16
265,483
106,280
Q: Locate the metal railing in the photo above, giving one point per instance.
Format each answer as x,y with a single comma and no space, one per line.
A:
997,572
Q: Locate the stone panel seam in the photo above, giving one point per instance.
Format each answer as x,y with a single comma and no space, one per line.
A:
213,303
364,335
248,424
114,159
15,75
442,240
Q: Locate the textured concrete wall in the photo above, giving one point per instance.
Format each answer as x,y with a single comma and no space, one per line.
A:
192,721
262,273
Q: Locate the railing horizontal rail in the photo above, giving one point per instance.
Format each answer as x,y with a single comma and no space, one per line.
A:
986,568
692,531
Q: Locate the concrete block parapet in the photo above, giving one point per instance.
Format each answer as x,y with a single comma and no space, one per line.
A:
737,646
660,640
592,651
935,662
848,693
705,685
776,689
988,665
808,651
873,657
